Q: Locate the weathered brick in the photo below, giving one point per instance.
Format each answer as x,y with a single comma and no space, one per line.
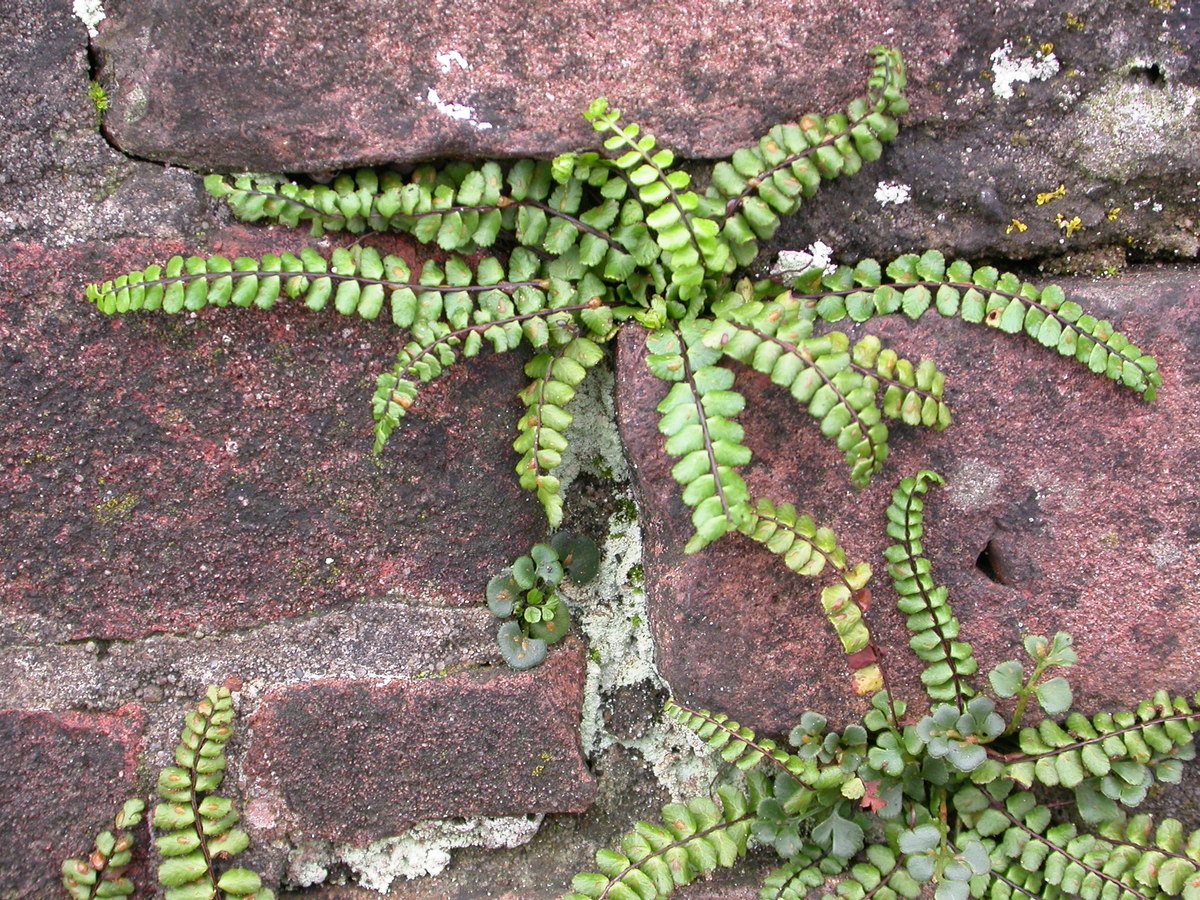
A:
1109,113
358,761
1086,496
66,776
164,473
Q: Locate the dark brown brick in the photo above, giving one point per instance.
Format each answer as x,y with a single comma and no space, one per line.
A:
160,473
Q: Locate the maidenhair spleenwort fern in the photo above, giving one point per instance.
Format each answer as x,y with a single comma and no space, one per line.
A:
103,872
196,836
558,255
195,824
952,801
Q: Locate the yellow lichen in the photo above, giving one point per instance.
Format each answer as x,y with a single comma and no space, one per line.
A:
1057,194
1017,225
1069,226
541,767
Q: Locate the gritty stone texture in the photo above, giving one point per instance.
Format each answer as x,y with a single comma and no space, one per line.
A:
358,761
1009,100
389,638
60,182
1086,497
164,474
564,845
66,776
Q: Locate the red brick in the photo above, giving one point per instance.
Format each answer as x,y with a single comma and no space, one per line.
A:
66,776
358,761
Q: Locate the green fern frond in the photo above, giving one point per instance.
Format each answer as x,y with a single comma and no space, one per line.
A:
775,338
102,874
809,550
738,745
770,179
806,549
697,420
1110,757
460,206
195,825
795,878
695,838
1169,857
467,308
882,875
912,394
691,244
913,284
542,440
357,279
949,662
1032,854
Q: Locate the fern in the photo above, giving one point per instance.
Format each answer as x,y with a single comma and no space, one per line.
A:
950,791
103,873
542,430
949,662
195,824
603,238
559,256
694,838
697,422
913,284
597,239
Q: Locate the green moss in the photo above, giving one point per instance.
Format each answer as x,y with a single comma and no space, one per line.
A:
626,513
99,98
602,468
637,576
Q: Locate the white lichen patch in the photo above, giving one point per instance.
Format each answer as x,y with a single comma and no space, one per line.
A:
611,609
1007,71
90,13
421,851
448,60
793,263
457,111
974,485
892,193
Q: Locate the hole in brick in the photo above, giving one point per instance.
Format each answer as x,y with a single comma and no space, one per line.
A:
1151,74
990,563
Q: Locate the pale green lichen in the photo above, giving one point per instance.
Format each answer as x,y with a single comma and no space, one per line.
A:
594,447
611,611
1132,128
